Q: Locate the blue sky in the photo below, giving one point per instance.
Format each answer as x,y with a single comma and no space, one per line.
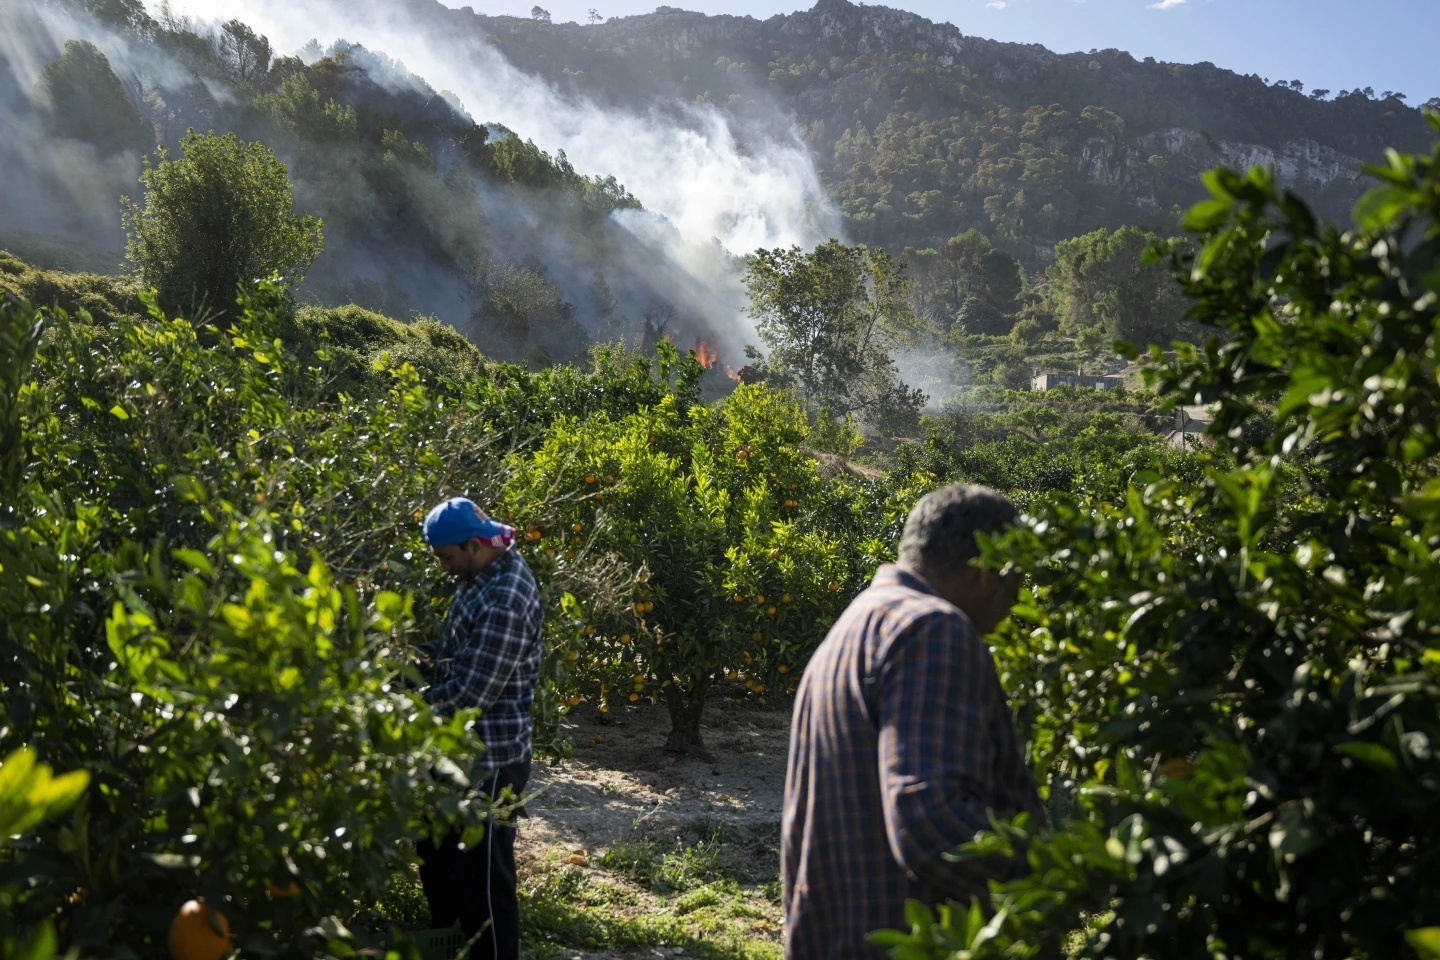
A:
1335,44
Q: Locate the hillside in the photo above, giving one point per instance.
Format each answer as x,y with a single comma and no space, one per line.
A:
730,133
921,131
425,210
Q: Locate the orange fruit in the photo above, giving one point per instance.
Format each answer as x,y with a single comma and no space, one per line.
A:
573,655
279,892
757,636
575,700
198,933
832,586
589,478
624,638
634,697
783,669
770,611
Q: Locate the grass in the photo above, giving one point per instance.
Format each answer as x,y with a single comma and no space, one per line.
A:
643,894
663,870
716,899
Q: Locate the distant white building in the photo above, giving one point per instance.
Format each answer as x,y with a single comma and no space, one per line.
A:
1049,381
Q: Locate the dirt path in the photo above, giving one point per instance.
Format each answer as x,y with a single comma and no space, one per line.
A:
621,787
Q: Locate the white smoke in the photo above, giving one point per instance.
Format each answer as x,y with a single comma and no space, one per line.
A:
690,166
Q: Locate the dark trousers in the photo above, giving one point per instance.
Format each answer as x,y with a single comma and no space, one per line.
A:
477,886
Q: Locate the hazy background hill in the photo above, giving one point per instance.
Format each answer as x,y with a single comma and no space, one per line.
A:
692,141
921,131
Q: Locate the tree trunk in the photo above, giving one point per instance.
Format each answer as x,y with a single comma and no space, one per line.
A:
686,708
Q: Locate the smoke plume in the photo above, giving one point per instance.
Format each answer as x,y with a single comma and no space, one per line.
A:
708,189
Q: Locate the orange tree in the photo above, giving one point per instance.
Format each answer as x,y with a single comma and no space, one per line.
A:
706,507
169,524
1237,680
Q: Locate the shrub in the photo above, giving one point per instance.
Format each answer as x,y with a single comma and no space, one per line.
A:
175,627
706,506
1234,684
218,217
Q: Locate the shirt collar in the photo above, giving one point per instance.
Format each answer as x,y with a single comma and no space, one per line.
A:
893,575
493,568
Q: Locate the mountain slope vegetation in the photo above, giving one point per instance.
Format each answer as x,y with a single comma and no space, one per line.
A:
923,131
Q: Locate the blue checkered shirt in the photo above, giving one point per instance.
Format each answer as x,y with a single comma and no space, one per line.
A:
901,742
488,657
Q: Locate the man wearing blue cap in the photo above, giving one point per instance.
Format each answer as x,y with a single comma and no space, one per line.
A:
487,658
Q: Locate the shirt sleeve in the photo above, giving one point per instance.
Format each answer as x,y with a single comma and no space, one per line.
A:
938,700
495,632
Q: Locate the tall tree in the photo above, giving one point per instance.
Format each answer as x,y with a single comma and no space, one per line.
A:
218,216
830,319
245,53
88,103
1100,282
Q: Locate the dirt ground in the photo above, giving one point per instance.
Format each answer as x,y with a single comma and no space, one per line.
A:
622,786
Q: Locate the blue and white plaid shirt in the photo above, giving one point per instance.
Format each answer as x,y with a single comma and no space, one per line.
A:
901,744
488,657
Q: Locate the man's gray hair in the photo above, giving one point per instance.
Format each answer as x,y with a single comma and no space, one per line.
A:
940,532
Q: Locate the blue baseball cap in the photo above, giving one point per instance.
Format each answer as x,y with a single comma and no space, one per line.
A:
458,519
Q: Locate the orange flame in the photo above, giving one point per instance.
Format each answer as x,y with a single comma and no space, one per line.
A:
706,354
732,373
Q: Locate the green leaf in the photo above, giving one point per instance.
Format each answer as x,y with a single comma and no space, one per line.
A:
918,916
1425,942
41,945
1207,215
195,560
1380,207
888,938
1371,754
29,793
1425,505
118,412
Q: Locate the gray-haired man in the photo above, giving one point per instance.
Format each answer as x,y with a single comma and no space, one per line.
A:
902,742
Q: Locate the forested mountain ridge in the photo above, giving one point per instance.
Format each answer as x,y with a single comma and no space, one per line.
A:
922,131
